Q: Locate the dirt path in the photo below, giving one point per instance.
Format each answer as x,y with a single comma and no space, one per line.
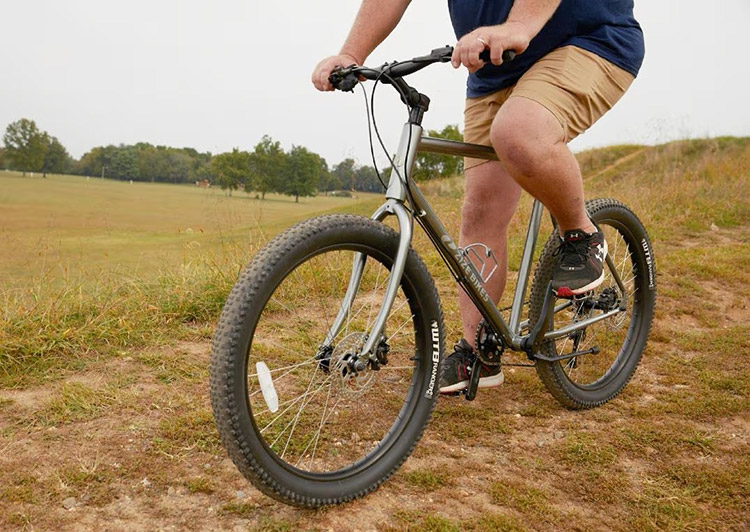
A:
129,443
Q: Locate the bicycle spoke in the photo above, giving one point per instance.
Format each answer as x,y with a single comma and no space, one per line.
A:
373,296
403,324
299,413
277,379
312,360
323,419
294,401
294,418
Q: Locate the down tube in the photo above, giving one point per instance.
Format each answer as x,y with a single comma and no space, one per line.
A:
465,272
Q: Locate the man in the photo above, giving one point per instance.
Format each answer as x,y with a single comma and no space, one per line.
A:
576,59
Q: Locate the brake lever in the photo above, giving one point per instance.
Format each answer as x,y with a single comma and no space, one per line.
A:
438,55
344,79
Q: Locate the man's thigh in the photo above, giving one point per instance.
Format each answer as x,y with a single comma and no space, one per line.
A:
575,85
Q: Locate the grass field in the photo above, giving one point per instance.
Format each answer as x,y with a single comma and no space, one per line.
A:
65,226
104,415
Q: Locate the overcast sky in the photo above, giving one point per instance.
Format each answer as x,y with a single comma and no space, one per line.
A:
217,75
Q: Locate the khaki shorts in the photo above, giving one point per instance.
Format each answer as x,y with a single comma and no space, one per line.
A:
575,85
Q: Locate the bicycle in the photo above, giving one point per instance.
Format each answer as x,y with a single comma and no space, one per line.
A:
325,363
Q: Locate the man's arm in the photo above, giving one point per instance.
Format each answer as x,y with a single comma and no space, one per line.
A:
375,20
525,20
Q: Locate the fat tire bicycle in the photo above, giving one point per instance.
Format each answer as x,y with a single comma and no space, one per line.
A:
325,364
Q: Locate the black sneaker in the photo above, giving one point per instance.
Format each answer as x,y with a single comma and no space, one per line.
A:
457,370
581,266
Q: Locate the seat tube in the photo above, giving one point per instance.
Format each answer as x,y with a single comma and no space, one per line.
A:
525,268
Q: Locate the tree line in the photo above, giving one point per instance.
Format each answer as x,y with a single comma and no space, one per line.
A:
266,168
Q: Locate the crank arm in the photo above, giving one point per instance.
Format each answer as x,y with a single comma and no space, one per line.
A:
471,390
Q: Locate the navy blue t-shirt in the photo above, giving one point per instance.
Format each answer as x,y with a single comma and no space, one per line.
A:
604,27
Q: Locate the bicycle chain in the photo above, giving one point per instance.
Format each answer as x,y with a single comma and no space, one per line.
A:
488,348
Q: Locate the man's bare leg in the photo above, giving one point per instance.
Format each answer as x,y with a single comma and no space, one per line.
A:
490,200
531,143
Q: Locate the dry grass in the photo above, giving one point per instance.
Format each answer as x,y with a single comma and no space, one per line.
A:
104,395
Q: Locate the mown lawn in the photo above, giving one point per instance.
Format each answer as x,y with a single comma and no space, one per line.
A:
70,227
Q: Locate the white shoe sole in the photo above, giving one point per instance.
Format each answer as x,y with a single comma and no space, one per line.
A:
484,382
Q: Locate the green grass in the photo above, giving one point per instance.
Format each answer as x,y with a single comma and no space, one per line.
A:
427,479
68,227
103,366
200,485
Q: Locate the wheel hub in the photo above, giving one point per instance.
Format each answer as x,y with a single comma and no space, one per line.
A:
353,375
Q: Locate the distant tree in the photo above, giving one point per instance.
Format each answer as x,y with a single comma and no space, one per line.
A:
98,161
150,162
329,181
303,172
267,162
433,165
2,158
145,162
345,174
26,145
324,173
124,163
231,171
180,166
91,162
56,158
202,166
366,179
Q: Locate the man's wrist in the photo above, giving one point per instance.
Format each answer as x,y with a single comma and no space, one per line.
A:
521,27
351,55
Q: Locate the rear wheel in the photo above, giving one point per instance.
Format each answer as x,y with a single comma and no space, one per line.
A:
299,417
590,380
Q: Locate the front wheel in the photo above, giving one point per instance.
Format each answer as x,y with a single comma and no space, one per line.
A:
618,342
301,418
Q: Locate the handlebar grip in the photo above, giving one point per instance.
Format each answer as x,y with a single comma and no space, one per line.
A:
343,79
508,55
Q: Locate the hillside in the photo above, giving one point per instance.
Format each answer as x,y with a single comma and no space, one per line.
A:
105,421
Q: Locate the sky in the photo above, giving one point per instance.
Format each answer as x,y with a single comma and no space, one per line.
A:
218,75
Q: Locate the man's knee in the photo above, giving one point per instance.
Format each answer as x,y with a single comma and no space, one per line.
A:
523,133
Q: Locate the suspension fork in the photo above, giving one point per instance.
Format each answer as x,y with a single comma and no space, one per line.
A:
406,229
395,195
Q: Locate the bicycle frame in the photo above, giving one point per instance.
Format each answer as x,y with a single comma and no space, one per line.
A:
400,187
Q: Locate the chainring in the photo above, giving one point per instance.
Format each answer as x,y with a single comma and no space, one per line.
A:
488,347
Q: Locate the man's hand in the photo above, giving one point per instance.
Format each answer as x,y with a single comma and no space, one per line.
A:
508,36
323,71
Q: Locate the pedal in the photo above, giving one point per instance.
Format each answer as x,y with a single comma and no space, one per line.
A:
471,390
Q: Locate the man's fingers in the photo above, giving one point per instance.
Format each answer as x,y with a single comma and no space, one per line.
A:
456,57
496,54
323,71
473,49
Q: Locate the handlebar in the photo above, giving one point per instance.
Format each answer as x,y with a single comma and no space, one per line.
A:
345,79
